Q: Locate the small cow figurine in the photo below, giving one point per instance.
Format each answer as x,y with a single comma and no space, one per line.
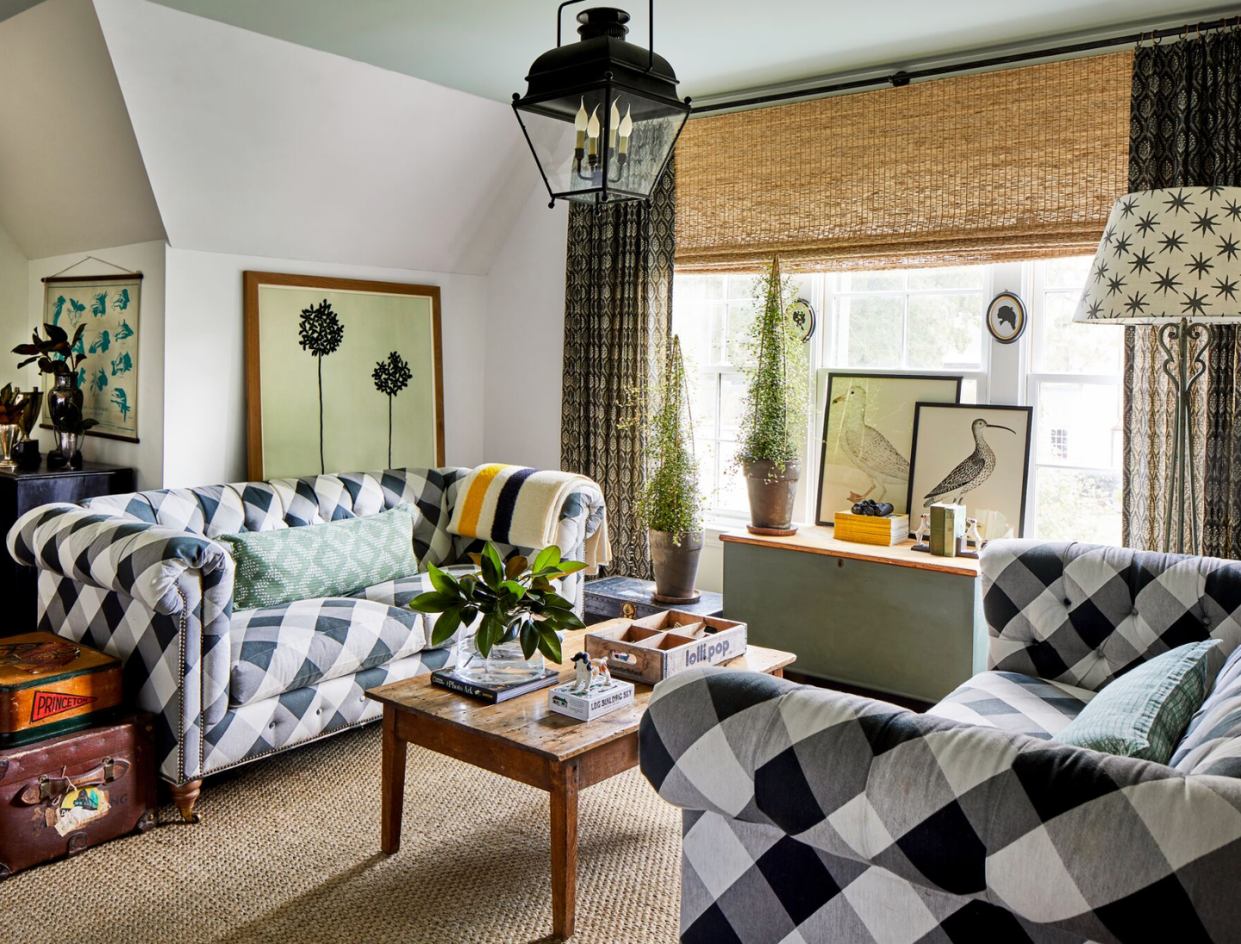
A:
588,673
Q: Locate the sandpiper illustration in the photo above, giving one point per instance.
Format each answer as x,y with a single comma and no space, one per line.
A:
973,471
869,449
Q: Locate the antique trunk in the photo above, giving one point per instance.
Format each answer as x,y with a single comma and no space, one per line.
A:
50,685
61,796
631,598
653,648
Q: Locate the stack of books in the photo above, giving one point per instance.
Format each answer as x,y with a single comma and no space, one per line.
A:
869,529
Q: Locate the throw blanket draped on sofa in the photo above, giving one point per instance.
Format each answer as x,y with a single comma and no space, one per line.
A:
511,504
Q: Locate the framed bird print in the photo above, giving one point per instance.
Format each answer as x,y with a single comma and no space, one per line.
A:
341,375
868,428
976,456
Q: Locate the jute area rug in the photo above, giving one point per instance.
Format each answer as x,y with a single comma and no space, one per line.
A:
288,850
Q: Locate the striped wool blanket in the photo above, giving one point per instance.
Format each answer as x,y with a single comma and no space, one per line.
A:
511,504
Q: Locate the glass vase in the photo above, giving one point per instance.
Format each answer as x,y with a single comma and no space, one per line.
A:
504,663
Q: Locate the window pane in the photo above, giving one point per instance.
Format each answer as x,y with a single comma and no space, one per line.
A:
1067,273
1078,506
872,281
969,390
732,395
1064,347
1079,424
961,277
731,498
702,399
945,332
741,315
870,331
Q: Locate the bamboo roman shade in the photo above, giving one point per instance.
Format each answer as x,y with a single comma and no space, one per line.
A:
1022,163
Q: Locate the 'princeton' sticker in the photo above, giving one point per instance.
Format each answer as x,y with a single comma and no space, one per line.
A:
47,704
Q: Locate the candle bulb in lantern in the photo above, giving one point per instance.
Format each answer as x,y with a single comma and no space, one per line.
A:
579,126
613,124
626,129
592,131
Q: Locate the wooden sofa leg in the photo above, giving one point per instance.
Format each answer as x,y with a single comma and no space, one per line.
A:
185,796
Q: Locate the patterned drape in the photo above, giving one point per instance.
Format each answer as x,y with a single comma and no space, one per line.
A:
618,316
1185,130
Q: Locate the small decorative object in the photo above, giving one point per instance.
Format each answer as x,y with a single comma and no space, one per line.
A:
965,454
883,531
1006,317
364,337
102,313
588,705
868,424
802,314
601,116
992,525
9,433
923,532
589,673
62,358
947,529
972,534
658,646
774,411
520,614
1170,258
873,509
26,451
670,501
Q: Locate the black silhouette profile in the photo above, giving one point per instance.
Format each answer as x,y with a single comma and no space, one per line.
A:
1007,316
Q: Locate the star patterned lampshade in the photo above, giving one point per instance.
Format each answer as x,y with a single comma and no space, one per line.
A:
1167,255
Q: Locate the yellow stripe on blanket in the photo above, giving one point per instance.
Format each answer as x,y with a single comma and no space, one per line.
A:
476,493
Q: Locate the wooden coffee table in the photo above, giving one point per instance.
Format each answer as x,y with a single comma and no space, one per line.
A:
524,741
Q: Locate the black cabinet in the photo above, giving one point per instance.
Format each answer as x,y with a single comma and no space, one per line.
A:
22,491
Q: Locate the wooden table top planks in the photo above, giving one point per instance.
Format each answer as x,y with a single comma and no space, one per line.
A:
821,540
527,723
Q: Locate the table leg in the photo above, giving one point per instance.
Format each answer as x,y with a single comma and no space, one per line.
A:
564,848
392,791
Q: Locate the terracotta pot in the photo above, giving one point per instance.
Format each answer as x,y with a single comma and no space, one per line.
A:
676,565
772,491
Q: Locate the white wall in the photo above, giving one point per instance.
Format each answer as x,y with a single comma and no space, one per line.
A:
13,294
147,455
525,338
204,401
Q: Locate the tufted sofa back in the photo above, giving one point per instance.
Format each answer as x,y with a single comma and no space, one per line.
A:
289,503
1084,613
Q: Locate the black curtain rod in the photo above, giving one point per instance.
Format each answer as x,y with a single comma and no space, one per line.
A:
899,79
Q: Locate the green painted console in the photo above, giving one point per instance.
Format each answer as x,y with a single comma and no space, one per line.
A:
888,619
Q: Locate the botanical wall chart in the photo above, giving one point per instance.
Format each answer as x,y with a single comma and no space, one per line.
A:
341,375
108,308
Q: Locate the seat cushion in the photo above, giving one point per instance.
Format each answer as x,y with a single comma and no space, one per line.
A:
1013,702
400,591
278,649
1212,743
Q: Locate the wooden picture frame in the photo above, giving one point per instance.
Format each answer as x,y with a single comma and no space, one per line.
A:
259,462
944,440
900,419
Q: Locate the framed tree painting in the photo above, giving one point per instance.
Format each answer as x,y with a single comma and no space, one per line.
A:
868,432
972,455
341,375
106,308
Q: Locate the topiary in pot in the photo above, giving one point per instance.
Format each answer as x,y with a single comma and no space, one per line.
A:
774,412
670,502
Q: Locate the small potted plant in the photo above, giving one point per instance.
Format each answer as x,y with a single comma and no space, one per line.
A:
521,613
773,418
60,356
670,503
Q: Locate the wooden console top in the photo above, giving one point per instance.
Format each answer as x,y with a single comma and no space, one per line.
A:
819,540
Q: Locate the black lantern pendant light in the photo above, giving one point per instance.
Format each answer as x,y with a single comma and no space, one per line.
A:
601,116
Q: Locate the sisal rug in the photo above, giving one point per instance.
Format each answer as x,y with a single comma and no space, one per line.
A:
288,850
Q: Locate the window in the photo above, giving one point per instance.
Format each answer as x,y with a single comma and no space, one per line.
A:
929,321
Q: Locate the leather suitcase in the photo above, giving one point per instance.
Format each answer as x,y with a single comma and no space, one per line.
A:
50,685
61,796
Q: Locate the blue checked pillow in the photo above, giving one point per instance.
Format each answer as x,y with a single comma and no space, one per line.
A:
1144,712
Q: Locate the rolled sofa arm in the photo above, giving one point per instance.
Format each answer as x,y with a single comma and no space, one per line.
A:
1048,831
112,552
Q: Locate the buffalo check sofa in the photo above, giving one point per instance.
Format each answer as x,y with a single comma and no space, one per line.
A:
812,816
140,577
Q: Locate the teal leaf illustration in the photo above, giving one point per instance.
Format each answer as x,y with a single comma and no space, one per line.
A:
121,402
124,331
59,309
121,301
77,309
101,343
79,347
100,305
122,364
99,381
81,376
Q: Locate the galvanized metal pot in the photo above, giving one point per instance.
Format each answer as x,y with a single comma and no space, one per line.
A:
676,565
772,491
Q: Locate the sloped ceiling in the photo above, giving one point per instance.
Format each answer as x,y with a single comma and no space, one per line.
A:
258,146
71,175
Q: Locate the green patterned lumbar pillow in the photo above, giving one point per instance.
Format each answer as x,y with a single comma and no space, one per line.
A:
1145,711
334,559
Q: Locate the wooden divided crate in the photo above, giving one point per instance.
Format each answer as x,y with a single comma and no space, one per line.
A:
661,645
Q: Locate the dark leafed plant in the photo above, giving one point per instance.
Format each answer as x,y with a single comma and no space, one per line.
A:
320,332
774,412
11,408
56,354
391,377
515,600
669,500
